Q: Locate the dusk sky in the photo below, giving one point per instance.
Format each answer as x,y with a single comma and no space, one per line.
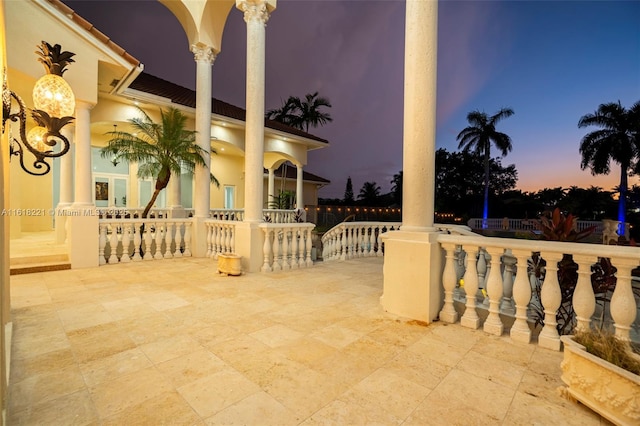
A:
550,61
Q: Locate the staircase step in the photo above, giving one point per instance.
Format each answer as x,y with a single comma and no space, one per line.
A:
32,268
38,259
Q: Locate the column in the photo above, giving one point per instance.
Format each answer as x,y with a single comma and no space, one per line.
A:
419,144
249,237
66,188
175,196
204,57
271,187
256,16
83,232
84,186
414,289
299,192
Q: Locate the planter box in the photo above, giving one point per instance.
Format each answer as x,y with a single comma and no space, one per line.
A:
230,264
611,391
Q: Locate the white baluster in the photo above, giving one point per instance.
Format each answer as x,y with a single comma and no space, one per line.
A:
159,237
295,246
372,241
623,302
219,240
493,323
448,312
506,303
266,251
137,240
584,301
482,272
379,253
285,249
187,239
277,260
232,238
343,254
102,242
309,242
209,243
551,298
168,239
520,330
113,243
126,241
147,241
470,317
178,252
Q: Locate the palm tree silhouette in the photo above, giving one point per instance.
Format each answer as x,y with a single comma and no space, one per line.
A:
160,149
617,139
302,113
478,138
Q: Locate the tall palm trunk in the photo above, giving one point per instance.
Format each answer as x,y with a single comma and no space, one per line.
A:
161,183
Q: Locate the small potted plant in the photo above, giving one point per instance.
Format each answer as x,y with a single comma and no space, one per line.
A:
603,373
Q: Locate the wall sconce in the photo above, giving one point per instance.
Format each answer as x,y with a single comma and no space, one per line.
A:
54,105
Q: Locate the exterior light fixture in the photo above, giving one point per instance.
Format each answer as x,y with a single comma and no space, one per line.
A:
54,104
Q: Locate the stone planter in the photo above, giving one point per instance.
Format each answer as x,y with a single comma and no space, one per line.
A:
611,391
230,264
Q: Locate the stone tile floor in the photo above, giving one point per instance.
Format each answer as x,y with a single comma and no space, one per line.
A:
171,342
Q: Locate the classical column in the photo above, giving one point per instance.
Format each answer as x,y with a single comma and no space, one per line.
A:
271,187
419,145
256,15
65,189
83,177
204,56
299,193
249,237
66,174
414,289
83,234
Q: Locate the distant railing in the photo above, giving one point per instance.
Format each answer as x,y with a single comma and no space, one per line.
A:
507,224
131,213
126,240
362,239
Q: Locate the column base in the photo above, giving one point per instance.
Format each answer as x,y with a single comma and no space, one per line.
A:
83,236
249,245
412,272
198,237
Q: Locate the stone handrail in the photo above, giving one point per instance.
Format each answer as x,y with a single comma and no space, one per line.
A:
286,246
491,264
126,240
131,212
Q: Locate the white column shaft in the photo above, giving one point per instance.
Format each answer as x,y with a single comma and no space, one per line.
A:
421,42
83,178
66,173
204,57
299,191
255,15
175,192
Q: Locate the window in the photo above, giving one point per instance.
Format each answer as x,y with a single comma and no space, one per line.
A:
229,196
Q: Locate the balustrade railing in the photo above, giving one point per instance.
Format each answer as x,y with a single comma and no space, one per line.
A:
287,246
221,237
518,284
126,240
526,224
362,239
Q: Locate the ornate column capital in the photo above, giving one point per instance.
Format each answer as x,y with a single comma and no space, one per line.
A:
254,11
203,53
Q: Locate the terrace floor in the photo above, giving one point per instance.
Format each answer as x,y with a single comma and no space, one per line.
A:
172,342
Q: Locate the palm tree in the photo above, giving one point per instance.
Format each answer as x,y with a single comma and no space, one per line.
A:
302,113
478,137
160,149
617,140
369,193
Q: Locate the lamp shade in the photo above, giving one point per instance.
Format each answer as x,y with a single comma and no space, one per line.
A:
53,95
35,137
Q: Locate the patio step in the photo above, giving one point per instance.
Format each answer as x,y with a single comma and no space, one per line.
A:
41,263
